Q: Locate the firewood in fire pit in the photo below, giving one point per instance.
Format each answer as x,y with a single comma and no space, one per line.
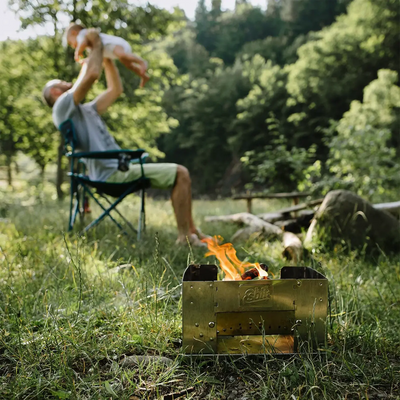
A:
250,274
253,273
264,267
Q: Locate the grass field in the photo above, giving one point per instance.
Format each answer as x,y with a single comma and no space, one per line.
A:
67,318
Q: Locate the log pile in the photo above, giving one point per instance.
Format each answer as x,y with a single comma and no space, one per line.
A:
343,214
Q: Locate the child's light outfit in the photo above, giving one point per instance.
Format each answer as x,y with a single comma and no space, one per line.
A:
109,43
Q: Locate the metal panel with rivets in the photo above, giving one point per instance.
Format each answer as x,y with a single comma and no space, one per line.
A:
253,317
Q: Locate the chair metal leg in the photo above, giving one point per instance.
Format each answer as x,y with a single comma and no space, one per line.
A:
105,213
117,211
142,216
73,209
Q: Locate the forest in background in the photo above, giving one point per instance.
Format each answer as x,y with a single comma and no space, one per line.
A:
301,96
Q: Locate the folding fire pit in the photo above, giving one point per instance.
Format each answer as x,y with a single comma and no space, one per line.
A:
253,316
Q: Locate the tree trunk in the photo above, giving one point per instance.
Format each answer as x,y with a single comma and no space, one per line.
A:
9,170
60,171
346,216
42,170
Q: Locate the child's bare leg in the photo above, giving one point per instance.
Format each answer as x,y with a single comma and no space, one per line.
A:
134,63
137,70
129,58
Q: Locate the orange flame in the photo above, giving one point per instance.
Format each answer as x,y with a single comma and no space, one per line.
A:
229,263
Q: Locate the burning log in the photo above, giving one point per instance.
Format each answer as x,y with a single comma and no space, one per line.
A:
253,273
233,268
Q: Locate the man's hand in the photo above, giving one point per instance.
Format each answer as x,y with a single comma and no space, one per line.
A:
92,37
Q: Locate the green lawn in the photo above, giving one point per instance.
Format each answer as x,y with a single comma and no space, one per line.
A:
66,318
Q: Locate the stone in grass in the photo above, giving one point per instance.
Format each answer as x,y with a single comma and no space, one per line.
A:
134,361
344,216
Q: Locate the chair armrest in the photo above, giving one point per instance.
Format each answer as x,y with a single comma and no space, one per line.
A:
109,154
142,158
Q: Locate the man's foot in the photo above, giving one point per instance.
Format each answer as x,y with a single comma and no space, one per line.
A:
193,240
200,234
143,80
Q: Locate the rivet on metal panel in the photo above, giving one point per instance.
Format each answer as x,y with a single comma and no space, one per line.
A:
200,334
320,284
211,285
196,324
211,339
320,299
298,283
211,324
191,302
191,286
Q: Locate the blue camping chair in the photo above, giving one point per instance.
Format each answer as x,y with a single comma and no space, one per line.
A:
81,185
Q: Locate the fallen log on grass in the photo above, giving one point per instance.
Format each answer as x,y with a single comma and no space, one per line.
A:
345,216
285,212
392,208
293,247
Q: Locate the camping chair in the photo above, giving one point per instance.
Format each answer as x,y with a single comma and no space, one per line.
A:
81,185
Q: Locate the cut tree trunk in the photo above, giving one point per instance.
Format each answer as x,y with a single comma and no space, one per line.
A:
346,216
293,248
292,244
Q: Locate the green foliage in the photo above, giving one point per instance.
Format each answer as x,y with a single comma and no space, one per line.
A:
223,35
215,83
333,71
189,56
25,123
278,167
362,155
205,140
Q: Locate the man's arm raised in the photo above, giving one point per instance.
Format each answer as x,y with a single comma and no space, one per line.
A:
114,87
91,69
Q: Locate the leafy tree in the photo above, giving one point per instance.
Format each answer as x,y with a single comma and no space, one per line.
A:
362,155
189,56
333,70
205,109
246,24
24,121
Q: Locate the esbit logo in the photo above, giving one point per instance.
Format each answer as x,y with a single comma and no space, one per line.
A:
255,295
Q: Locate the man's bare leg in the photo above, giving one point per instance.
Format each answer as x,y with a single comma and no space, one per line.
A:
182,203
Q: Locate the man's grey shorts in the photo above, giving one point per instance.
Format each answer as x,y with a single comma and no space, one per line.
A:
162,176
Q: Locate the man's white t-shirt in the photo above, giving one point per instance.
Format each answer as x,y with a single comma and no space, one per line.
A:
91,132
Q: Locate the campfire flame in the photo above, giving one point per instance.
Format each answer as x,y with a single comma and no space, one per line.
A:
229,263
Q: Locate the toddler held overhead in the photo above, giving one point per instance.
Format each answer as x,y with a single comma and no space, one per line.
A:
114,47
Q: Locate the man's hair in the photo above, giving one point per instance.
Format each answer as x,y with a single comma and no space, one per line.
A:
72,27
48,99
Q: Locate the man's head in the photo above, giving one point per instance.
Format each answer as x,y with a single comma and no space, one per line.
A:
71,33
54,89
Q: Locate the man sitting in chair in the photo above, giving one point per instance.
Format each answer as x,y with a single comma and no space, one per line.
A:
92,135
